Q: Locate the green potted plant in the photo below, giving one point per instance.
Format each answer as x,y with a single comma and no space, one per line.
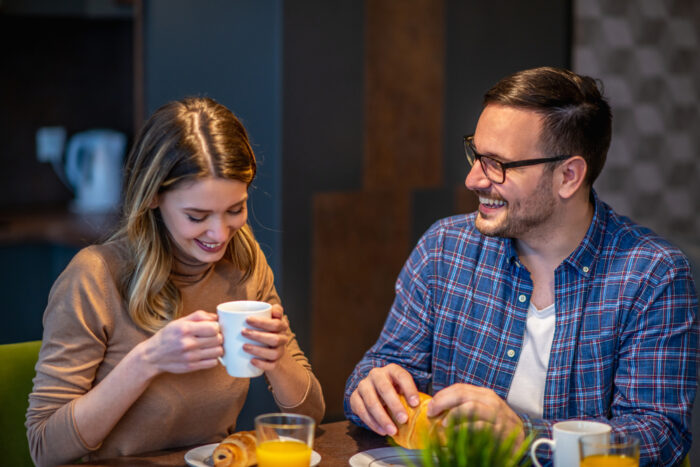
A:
465,444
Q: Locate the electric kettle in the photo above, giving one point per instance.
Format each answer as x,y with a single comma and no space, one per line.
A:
93,167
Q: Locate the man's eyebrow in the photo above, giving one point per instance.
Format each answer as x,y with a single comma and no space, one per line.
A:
491,155
496,157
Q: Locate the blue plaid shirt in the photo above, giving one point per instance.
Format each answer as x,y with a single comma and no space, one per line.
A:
625,340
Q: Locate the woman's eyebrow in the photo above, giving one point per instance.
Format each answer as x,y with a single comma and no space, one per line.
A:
205,211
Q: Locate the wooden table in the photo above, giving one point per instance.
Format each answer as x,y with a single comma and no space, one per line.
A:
336,442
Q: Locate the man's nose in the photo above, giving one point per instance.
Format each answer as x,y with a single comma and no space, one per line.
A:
476,179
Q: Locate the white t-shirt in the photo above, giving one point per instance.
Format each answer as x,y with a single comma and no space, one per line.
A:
526,394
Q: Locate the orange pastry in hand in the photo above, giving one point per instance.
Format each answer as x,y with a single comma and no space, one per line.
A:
419,428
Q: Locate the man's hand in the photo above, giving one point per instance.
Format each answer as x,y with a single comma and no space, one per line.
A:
378,392
481,405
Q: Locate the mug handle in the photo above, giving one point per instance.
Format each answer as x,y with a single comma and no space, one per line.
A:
534,447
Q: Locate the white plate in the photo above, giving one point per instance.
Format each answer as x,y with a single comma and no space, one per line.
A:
384,457
201,456
196,457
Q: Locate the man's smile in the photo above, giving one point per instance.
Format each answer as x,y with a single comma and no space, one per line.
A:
491,203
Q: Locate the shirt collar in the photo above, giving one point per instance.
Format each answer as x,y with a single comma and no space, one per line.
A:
511,252
583,257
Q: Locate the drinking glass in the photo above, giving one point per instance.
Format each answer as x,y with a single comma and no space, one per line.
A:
614,450
284,440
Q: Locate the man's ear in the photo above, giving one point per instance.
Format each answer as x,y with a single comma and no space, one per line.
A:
573,174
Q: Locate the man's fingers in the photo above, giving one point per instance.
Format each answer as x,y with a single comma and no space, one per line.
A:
455,396
358,407
376,399
467,410
374,402
385,381
403,380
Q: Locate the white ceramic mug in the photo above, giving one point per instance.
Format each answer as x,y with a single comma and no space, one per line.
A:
232,317
565,443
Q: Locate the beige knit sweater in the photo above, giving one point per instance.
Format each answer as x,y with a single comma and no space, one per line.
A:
87,331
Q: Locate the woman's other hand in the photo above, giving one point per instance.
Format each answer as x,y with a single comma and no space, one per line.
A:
272,336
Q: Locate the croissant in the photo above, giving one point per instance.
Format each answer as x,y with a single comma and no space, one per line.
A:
236,450
419,427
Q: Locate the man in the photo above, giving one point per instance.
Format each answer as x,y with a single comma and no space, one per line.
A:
544,305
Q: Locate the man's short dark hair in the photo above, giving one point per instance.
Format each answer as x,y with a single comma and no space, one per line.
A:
576,117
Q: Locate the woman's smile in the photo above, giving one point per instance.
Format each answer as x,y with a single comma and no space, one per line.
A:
202,216
210,247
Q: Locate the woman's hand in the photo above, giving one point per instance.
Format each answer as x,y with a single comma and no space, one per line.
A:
186,344
191,343
272,335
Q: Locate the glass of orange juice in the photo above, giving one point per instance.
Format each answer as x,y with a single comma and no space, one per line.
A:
284,440
614,450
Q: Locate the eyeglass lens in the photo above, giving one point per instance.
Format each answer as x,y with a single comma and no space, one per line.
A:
491,167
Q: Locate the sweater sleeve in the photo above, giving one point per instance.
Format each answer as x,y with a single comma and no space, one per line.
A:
76,326
312,403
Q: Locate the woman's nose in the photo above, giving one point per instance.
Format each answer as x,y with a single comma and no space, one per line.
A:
218,230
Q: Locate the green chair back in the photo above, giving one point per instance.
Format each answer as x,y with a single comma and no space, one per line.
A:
17,363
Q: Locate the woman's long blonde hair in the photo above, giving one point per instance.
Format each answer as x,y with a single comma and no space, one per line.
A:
182,141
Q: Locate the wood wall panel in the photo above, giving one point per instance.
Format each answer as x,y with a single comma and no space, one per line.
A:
362,238
404,81
359,243
425,67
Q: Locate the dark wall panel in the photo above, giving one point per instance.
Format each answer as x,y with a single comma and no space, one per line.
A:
377,96
487,41
231,52
323,129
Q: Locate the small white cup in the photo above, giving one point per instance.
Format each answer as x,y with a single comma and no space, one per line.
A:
232,317
565,443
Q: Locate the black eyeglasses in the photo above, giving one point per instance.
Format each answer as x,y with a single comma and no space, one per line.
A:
496,170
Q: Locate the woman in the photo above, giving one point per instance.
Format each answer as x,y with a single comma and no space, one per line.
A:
128,362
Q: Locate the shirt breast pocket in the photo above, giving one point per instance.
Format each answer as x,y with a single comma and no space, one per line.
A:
593,372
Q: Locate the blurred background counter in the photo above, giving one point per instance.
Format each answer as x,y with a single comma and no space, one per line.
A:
35,246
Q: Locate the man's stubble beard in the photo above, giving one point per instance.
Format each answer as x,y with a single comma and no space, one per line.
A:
522,216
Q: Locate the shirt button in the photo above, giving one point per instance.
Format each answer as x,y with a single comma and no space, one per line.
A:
586,269
511,353
522,298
